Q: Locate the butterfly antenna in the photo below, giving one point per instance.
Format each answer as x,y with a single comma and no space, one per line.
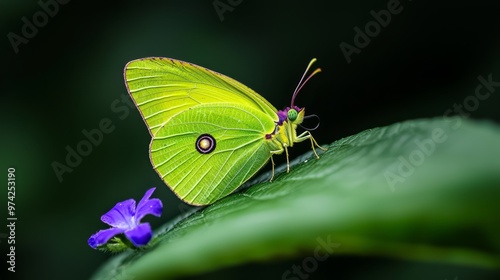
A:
301,84
308,117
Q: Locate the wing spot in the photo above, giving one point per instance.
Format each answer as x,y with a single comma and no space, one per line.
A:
205,144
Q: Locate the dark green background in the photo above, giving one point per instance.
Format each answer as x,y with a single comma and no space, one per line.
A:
66,78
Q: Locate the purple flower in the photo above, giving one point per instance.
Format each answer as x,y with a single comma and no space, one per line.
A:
125,218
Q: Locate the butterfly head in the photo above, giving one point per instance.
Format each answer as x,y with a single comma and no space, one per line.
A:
293,115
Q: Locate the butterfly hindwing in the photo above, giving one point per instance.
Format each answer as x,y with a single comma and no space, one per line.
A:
240,150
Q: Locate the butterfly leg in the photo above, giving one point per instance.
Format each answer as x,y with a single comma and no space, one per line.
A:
307,135
277,152
284,147
272,165
287,159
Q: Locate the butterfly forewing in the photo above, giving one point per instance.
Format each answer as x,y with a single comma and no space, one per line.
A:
163,87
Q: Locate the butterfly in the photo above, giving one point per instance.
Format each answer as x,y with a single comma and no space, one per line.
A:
210,133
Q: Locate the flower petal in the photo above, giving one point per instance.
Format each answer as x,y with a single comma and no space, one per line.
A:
148,206
103,236
140,235
147,195
153,207
121,215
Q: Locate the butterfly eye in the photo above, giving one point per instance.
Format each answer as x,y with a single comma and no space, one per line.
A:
292,114
205,144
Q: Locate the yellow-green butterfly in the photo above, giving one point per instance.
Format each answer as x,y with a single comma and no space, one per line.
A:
209,132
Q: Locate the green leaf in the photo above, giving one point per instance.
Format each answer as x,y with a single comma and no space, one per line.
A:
421,190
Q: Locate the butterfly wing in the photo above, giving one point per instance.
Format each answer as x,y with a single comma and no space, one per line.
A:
180,101
163,87
240,150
